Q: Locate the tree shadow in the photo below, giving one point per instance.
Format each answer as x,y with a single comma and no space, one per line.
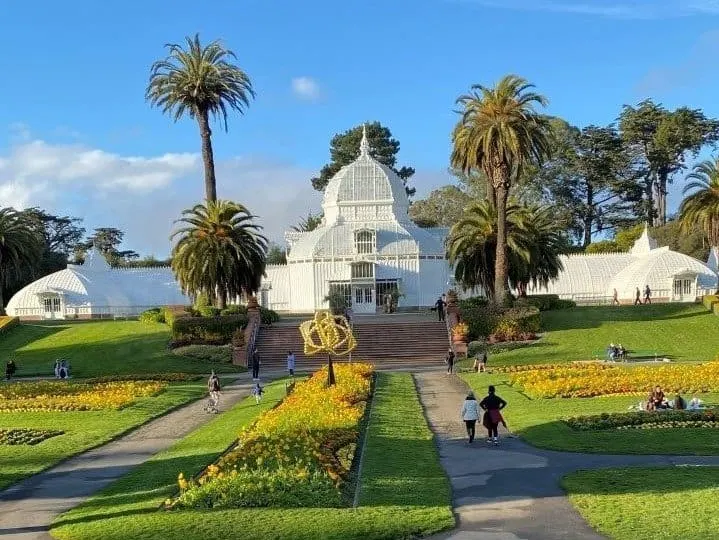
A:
586,317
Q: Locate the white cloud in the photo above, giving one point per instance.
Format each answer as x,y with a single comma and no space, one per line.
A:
306,88
620,9
144,195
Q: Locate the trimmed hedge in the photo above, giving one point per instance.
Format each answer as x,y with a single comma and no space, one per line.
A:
710,301
485,320
8,323
206,330
545,302
154,315
268,316
606,421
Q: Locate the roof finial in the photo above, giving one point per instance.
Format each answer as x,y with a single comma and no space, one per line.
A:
364,145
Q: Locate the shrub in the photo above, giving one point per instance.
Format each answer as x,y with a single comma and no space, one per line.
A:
481,317
238,338
8,323
268,316
209,311
12,437
154,315
710,300
206,330
516,324
644,420
545,302
234,309
214,354
175,312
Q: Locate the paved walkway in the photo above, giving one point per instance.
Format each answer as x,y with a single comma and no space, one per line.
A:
28,508
511,491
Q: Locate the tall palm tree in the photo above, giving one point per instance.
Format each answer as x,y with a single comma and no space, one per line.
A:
702,205
500,133
219,251
309,223
200,81
534,244
21,248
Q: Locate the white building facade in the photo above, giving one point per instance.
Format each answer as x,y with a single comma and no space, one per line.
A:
365,247
95,290
671,276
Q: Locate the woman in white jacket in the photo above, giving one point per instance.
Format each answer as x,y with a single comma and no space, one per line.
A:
470,414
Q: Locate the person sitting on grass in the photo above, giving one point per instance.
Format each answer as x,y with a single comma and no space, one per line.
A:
657,398
695,404
679,403
621,352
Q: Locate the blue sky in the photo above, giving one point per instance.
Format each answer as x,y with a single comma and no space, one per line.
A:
80,139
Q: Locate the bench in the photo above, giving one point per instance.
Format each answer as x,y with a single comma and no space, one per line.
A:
629,355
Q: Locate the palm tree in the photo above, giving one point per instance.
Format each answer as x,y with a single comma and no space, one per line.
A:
21,248
500,134
309,223
219,251
702,206
200,82
534,244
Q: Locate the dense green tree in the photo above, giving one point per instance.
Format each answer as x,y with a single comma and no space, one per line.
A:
60,233
21,248
661,141
276,254
309,223
219,251
344,149
534,241
200,81
500,133
701,204
442,208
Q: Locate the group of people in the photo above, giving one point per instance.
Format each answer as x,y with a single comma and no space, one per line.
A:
492,406
637,296
657,401
616,352
62,369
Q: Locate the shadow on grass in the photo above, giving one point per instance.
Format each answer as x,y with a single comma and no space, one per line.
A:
585,317
642,481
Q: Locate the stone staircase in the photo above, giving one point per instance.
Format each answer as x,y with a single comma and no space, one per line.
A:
388,342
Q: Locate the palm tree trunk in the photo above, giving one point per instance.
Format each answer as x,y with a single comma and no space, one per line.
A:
501,269
208,157
2,302
221,298
330,371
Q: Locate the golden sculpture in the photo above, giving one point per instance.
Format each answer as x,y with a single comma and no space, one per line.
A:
330,334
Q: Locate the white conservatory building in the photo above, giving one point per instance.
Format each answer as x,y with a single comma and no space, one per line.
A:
95,290
671,276
365,247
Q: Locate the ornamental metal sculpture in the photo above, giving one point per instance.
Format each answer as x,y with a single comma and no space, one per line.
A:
330,334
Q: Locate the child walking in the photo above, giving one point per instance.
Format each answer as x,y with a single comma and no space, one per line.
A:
257,391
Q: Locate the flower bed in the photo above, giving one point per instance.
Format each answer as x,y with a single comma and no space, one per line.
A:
26,436
297,454
645,420
543,367
589,380
163,377
71,396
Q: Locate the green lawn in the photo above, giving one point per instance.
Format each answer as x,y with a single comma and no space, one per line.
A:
83,430
539,422
405,492
648,503
683,332
98,348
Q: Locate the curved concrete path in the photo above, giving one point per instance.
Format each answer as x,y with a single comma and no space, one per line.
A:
28,508
512,491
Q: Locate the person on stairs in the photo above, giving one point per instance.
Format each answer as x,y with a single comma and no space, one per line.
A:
470,414
255,365
492,405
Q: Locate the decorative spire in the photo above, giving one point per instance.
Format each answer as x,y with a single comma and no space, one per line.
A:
364,145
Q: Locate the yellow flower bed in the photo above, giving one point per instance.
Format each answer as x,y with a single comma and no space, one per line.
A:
297,454
72,396
589,380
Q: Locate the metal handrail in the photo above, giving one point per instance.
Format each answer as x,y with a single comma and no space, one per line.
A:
253,338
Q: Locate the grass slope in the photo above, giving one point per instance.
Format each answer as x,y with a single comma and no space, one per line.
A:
405,492
538,421
648,503
98,348
83,430
683,332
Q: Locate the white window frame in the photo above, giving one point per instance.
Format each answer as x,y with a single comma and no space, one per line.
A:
365,241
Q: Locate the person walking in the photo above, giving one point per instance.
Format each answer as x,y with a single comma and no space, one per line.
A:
615,298
57,369
10,369
257,391
291,363
439,306
255,365
647,295
213,389
449,360
492,405
470,414
638,298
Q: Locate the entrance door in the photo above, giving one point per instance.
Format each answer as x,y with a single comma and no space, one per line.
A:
49,312
363,299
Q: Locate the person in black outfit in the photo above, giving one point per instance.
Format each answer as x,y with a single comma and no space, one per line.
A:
10,369
439,306
491,405
647,295
449,360
255,365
